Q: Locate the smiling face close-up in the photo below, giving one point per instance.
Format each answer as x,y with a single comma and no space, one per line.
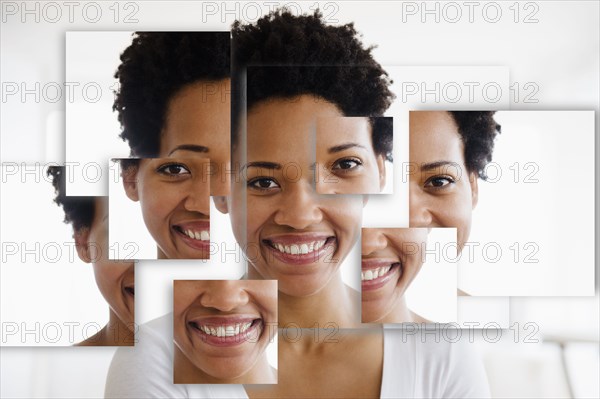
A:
221,330
198,123
346,157
115,279
391,259
174,195
442,191
293,234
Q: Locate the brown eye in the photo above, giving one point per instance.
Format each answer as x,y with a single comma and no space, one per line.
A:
173,169
346,164
263,184
439,182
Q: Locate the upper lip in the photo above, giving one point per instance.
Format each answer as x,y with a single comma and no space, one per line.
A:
374,263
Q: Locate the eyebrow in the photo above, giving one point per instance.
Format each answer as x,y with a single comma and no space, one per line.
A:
190,147
265,165
438,164
342,147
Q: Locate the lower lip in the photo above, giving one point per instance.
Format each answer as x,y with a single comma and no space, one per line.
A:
304,259
250,335
196,244
380,281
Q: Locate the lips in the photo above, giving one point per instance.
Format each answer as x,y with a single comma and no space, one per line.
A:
227,331
299,249
378,272
195,234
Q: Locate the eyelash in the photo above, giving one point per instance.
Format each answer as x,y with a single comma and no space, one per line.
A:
449,179
163,170
251,184
335,165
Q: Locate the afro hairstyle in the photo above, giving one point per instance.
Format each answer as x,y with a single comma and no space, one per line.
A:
477,130
79,211
153,69
284,56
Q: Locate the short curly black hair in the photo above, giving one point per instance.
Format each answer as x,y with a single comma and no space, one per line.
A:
154,68
285,56
478,130
79,211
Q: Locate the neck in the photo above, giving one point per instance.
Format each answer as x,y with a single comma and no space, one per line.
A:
185,372
399,313
114,333
335,305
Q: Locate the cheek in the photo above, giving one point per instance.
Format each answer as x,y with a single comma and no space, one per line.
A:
107,277
181,300
257,211
158,202
346,213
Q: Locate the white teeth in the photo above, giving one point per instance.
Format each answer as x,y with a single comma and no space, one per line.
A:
372,274
198,235
226,331
299,249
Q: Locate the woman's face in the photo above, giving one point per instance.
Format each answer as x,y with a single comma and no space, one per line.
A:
198,124
293,234
391,259
442,192
346,158
115,279
223,326
174,195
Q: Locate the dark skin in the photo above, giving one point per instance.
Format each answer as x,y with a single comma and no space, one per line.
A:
318,355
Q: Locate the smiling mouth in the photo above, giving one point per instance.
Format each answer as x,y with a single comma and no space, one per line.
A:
298,249
295,251
198,235
376,275
227,333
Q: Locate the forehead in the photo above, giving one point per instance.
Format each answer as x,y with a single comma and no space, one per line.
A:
333,131
434,137
285,128
198,114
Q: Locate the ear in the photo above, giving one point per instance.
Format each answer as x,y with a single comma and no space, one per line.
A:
130,184
82,244
381,167
474,189
221,203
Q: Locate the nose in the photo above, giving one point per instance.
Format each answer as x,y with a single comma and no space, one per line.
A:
299,207
420,214
225,295
197,195
373,240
